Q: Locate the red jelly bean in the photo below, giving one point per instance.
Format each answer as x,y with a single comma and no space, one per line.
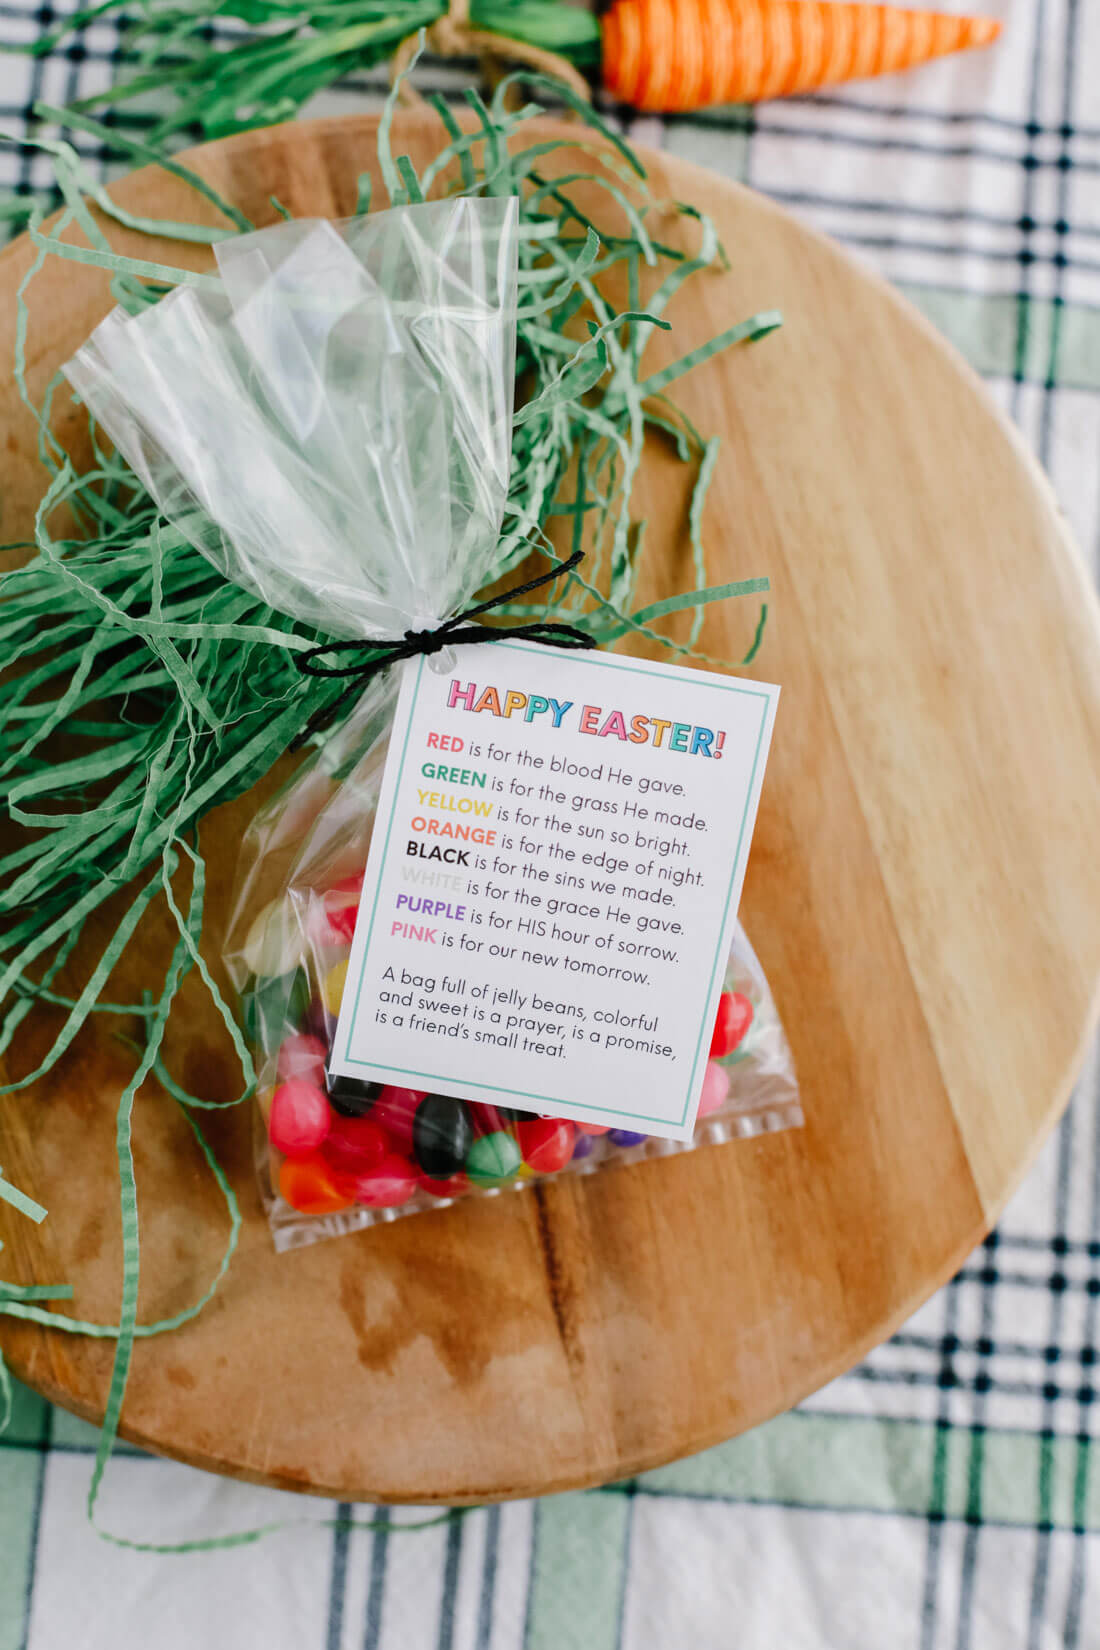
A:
391,1182
395,1109
300,1118
308,1185
341,904
453,1187
593,1128
354,1145
488,1119
733,1020
302,1055
546,1143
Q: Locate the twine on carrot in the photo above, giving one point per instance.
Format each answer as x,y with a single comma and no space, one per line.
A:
453,35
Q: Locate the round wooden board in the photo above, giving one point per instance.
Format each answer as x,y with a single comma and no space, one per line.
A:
924,892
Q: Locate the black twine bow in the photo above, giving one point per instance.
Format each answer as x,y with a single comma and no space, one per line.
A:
371,657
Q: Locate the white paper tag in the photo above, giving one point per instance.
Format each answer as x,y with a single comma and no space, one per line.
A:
553,881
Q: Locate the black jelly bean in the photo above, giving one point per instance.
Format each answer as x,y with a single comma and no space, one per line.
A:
509,1114
442,1136
351,1097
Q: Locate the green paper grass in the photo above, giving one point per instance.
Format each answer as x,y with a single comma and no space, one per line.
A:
281,53
139,689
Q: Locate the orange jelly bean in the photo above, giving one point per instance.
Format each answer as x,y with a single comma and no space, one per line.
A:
309,1186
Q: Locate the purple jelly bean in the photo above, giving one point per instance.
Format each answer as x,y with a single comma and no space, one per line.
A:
625,1137
582,1146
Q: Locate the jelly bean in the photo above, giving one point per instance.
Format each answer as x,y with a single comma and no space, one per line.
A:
351,1097
395,1109
391,1182
509,1115
300,1118
332,990
355,1145
733,1020
593,1128
488,1119
716,1086
308,1185
302,1056
271,1008
318,1021
583,1146
546,1143
341,907
273,945
454,1186
442,1135
493,1158
625,1137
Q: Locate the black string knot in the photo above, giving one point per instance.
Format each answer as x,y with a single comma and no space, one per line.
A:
426,641
366,658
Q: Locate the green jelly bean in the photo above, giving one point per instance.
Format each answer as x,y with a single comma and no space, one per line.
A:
273,1007
492,1159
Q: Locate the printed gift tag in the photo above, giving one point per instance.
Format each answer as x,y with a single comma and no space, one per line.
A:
552,883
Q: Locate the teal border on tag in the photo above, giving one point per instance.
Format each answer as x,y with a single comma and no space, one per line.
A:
720,686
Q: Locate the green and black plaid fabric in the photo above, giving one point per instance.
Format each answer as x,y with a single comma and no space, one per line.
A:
946,1494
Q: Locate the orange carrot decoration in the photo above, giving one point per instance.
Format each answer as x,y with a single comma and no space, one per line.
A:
683,54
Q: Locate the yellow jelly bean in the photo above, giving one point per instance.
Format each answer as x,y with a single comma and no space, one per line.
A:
333,989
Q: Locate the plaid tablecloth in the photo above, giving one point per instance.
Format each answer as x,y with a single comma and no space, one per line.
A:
946,1494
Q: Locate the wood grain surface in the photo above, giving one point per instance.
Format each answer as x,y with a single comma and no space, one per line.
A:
924,893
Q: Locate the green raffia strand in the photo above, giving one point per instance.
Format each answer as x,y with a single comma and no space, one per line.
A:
16,1293
248,1538
139,689
286,52
19,1201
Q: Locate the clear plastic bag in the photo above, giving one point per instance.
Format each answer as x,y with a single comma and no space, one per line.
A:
361,1153
331,426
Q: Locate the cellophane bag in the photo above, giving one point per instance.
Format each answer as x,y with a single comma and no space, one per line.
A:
331,424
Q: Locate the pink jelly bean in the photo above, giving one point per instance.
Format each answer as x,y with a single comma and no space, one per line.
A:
393,1181
716,1086
593,1128
300,1118
395,1109
302,1055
